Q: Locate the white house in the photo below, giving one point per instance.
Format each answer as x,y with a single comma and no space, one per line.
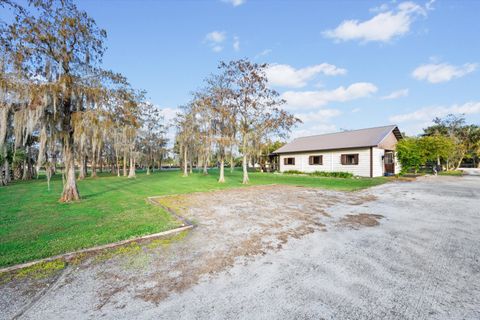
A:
366,152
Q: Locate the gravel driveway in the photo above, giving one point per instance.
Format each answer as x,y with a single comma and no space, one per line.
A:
404,250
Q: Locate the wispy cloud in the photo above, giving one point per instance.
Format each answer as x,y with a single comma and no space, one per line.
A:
287,76
265,52
396,94
383,27
442,72
321,115
234,3
214,39
236,43
315,99
429,113
313,130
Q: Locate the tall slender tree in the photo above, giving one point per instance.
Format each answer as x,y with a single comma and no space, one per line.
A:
257,106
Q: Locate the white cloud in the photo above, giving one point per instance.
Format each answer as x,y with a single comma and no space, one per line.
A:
234,3
429,113
287,76
236,43
265,52
322,115
216,36
217,48
355,110
214,40
313,130
396,94
383,27
442,72
315,99
381,8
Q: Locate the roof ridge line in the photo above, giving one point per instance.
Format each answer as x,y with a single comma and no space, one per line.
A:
324,134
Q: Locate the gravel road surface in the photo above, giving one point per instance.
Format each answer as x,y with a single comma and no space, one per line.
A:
403,250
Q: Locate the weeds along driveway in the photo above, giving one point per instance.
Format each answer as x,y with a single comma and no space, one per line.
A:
400,250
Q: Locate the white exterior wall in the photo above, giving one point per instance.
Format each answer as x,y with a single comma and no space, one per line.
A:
378,166
398,166
332,162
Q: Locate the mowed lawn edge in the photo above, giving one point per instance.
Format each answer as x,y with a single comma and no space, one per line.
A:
34,225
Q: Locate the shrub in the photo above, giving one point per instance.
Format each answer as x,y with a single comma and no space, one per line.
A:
333,174
293,172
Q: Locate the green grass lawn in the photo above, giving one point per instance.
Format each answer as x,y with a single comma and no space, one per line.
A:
34,225
451,173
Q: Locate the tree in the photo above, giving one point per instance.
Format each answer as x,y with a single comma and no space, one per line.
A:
257,106
224,117
152,134
60,40
410,154
185,124
437,147
465,138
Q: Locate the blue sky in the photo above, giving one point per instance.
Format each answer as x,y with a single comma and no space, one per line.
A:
339,64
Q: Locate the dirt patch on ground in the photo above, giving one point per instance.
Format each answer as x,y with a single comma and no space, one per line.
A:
356,221
239,224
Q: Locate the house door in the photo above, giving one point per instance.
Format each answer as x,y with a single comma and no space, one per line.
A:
389,162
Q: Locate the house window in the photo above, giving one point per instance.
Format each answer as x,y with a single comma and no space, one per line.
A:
289,161
315,160
349,159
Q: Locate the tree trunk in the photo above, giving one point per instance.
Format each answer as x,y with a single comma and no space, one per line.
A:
245,161
70,190
94,160
232,160
221,179
245,169
205,165
131,173
125,163
99,157
83,168
117,162
5,177
459,163
185,163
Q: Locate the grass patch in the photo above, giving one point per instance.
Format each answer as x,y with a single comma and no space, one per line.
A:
37,271
451,173
34,225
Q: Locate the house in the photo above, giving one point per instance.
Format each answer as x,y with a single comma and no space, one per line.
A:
366,152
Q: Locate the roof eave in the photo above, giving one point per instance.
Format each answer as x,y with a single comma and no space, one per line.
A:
320,150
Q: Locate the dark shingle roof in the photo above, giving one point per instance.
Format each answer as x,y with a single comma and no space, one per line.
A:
369,137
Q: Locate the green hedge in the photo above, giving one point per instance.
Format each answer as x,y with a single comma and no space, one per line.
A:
292,172
334,174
